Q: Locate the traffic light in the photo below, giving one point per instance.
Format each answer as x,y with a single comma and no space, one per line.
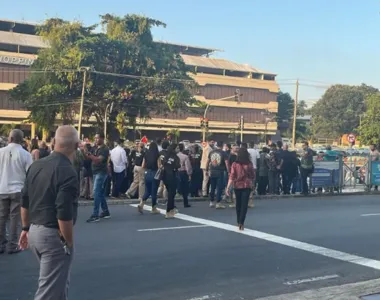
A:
206,122
202,123
237,95
239,126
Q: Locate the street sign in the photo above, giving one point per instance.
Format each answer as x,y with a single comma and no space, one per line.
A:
351,138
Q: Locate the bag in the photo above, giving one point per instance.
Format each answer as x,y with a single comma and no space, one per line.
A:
159,174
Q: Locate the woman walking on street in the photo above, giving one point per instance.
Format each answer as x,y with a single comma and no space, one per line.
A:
241,177
150,164
171,165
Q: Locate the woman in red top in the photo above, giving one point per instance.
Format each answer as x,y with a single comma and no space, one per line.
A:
241,177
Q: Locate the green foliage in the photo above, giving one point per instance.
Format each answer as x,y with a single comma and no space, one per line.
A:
285,107
5,129
338,111
175,132
125,46
370,125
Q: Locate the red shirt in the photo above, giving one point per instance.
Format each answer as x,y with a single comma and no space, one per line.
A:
242,175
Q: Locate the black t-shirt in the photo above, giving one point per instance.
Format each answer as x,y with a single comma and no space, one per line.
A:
137,157
102,166
217,159
171,164
231,159
162,156
151,160
195,159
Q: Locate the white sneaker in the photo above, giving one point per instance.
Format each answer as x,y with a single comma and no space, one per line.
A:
220,206
212,204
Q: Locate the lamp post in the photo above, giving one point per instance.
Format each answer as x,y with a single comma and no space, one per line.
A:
110,106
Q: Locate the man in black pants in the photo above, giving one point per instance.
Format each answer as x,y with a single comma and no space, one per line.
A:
184,174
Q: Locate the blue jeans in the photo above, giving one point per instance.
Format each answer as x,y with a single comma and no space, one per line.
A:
151,186
100,180
217,183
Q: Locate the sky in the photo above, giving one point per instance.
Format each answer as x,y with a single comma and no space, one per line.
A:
319,42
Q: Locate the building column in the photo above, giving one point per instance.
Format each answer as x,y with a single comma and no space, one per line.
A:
45,134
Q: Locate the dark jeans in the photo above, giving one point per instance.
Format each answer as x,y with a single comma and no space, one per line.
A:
170,181
151,186
273,182
242,198
287,180
217,183
184,186
196,182
262,185
304,174
117,179
100,181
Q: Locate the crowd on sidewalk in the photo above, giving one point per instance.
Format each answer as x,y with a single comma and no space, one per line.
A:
42,185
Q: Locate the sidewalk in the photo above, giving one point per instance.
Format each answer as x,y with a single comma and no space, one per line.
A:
348,192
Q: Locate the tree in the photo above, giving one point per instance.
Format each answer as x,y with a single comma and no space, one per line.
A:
369,128
285,107
174,133
153,77
338,111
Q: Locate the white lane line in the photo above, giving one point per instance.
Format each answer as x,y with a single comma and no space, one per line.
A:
173,228
370,215
307,280
206,297
339,255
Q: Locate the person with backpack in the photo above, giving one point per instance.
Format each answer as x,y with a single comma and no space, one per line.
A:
241,177
216,166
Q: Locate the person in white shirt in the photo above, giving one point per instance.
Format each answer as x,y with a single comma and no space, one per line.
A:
14,163
120,164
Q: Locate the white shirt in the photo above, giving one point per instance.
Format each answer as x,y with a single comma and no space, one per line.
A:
14,163
119,159
255,155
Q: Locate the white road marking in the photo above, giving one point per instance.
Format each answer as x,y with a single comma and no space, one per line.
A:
173,228
338,255
306,280
370,215
206,297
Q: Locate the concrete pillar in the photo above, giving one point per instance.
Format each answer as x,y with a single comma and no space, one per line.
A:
33,130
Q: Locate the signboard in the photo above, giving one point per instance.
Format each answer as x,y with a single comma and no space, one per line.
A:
375,172
14,60
351,138
326,174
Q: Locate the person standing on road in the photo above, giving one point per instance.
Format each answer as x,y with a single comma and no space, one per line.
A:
137,157
14,163
162,191
289,169
100,173
48,213
171,165
216,165
150,165
254,156
120,164
231,159
241,177
204,166
273,177
307,167
197,176
263,172
184,173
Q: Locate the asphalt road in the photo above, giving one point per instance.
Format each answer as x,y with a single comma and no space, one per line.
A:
115,260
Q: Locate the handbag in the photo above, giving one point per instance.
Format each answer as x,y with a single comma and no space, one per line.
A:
159,174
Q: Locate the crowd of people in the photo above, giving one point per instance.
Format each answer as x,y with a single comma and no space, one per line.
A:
42,185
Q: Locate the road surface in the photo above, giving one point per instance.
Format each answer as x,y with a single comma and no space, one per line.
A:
288,246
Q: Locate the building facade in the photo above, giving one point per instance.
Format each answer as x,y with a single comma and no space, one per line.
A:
219,81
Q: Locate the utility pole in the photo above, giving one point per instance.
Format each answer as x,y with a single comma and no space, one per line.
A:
241,128
295,116
84,70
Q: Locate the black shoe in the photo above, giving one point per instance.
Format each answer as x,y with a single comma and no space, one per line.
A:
93,219
105,215
14,251
187,205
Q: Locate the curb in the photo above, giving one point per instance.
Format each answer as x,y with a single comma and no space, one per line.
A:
203,199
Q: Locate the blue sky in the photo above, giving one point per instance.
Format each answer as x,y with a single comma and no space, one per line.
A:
325,41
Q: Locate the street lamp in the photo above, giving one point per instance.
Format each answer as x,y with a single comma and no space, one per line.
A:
110,106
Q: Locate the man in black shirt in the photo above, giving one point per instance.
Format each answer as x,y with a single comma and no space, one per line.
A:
162,192
48,213
216,164
100,173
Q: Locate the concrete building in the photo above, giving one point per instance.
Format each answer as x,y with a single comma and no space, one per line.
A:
219,81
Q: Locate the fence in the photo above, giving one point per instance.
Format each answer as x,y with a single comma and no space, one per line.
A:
352,172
